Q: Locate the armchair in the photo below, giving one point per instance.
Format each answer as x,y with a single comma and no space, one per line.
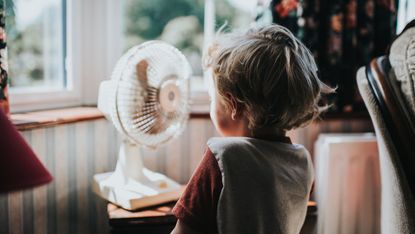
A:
387,87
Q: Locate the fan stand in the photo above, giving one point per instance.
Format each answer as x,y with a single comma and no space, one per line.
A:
131,185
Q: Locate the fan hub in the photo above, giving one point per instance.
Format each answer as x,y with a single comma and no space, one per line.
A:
169,96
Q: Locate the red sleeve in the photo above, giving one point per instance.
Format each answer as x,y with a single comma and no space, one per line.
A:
198,204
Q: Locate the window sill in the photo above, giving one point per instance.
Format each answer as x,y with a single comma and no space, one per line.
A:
50,118
199,111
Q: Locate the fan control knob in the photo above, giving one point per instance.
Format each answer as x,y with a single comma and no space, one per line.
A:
169,96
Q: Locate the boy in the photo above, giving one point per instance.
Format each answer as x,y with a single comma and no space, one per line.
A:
253,179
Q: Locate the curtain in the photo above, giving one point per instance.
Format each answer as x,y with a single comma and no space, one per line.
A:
4,97
342,35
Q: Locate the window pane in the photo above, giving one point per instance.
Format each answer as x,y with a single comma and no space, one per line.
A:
178,22
406,13
36,49
236,14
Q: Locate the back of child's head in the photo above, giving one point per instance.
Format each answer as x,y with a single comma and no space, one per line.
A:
270,75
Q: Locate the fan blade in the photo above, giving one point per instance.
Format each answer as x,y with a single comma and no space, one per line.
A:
158,126
141,71
143,119
148,107
153,126
143,124
152,95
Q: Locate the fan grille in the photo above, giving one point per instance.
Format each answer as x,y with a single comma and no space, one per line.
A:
140,75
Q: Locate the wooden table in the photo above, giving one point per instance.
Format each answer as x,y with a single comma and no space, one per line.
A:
160,220
157,219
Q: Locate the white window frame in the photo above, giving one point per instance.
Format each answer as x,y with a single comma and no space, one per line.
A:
94,44
200,98
27,99
100,44
93,34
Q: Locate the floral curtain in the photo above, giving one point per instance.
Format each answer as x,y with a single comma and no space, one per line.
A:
343,35
4,97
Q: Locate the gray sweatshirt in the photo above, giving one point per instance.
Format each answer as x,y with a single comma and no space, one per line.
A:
266,185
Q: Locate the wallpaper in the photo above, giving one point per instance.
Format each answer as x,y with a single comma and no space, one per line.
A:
75,152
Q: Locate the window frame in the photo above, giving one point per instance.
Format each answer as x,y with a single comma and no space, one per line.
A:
200,98
28,99
406,13
92,51
200,101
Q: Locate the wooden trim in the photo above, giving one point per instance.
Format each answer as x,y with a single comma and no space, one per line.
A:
345,115
328,116
50,118
199,115
158,215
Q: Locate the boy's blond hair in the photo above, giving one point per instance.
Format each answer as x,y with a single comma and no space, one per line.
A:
270,75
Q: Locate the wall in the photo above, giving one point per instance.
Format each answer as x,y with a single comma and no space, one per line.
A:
75,152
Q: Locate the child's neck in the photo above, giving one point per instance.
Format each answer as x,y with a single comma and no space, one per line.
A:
267,133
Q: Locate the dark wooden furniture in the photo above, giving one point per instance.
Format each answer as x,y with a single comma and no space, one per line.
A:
157,220
160,220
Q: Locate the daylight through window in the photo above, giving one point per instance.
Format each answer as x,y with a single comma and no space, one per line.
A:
36,44
180,23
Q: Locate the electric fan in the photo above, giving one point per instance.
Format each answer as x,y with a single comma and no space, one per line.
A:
147,99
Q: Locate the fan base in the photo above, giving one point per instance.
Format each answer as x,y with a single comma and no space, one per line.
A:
135,195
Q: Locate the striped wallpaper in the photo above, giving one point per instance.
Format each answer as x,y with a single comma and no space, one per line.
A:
75,152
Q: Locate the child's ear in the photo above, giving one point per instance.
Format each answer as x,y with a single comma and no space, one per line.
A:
235,107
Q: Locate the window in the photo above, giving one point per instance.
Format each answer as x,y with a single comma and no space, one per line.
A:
406,13
37,52
39,36
235,13
59,51
186,24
